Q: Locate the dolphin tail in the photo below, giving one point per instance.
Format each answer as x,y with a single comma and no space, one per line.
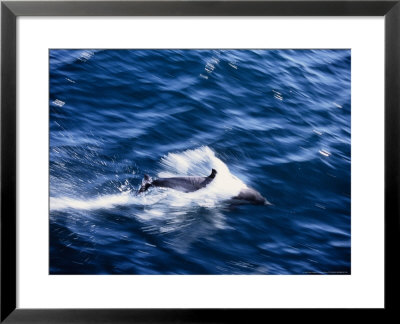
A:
146,183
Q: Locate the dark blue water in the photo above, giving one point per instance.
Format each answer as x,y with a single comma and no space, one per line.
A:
275,120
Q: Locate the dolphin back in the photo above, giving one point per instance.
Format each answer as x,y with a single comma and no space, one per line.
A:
184,184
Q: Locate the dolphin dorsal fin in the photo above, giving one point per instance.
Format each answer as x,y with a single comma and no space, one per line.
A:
213,174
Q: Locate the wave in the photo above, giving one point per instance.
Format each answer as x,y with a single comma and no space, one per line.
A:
107,201
196,162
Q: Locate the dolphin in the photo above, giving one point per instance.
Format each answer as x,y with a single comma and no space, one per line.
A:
191,184
184,184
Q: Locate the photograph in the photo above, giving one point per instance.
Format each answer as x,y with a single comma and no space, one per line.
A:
199,161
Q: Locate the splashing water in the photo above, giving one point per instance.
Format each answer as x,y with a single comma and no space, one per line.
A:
196,162
200,162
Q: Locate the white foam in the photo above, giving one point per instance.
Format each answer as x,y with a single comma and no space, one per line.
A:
197,162
200,162
107,201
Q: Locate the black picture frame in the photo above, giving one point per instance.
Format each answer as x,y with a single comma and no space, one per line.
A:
10,10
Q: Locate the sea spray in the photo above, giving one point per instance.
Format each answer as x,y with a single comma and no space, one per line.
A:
196,162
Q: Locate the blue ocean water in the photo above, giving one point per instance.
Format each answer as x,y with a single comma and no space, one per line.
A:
275,120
